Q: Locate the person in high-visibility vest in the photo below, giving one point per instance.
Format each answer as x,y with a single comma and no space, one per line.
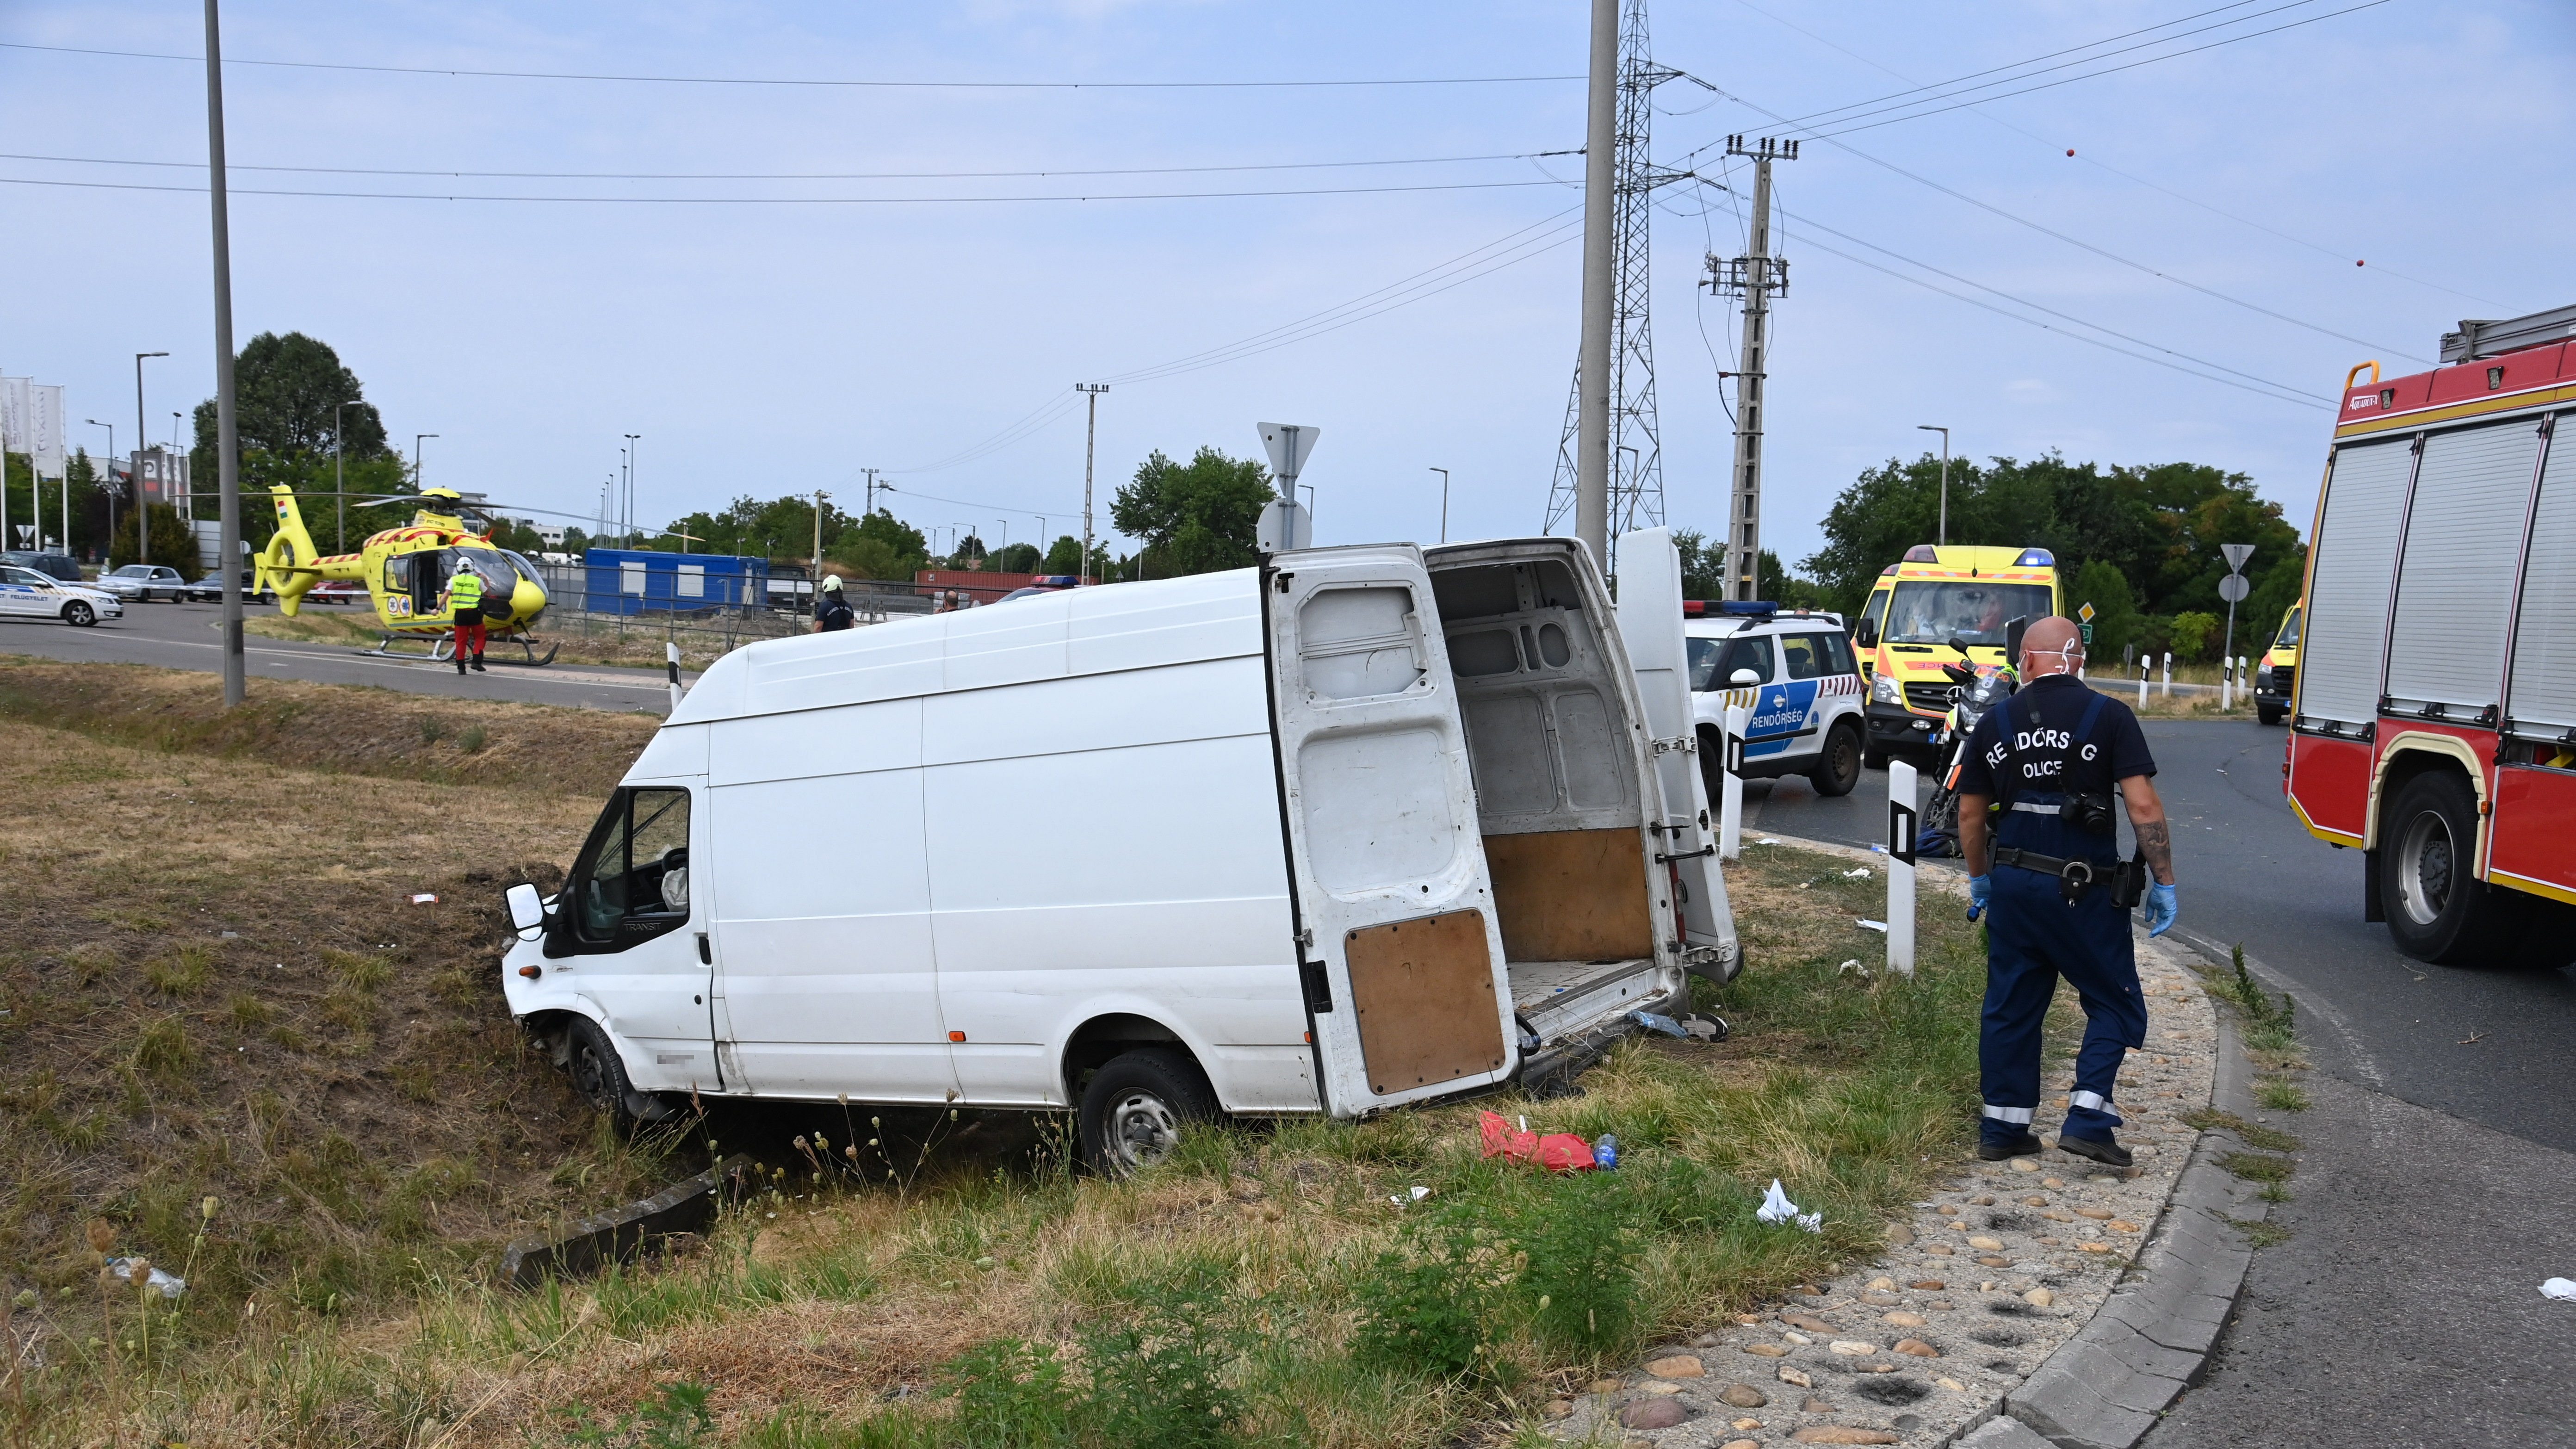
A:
465,598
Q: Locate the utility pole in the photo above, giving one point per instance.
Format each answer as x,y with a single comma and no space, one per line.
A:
1592,367
631,439
1754,277
1943,536
872,492
227,441
814,575
1444,503
1090,438
142,510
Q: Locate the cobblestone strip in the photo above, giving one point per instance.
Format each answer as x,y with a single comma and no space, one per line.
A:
1959,1319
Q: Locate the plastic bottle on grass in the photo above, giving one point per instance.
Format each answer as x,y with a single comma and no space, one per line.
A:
1605,1153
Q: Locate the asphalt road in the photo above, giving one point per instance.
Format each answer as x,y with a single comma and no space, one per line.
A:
187,636
2437,1187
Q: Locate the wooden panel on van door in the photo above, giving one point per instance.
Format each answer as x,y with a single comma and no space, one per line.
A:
1423,991
1572,895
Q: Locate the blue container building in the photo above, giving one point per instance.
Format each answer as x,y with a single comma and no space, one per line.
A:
639,581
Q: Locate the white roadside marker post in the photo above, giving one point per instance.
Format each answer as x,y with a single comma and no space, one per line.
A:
2169,674
1900,867
1730,807
2226,677
2143,672
671,658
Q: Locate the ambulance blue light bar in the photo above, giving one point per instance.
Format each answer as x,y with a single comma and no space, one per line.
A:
2035,558
1723,608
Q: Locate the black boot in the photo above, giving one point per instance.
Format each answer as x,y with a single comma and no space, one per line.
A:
2023,1146
2103,1150
460,664
478,663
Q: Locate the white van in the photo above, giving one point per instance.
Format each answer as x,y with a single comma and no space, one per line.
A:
1360,827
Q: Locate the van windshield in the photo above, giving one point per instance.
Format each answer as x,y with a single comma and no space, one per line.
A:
1926,611
2289,636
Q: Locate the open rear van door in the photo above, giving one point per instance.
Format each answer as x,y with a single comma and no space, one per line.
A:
1398,944
1650,624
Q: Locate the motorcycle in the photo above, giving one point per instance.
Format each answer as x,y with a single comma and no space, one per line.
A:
1976,689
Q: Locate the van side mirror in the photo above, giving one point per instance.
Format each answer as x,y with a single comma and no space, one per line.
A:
1958,643
1866,636
1744,679
527,909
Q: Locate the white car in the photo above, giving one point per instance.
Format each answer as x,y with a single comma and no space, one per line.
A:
1796,673
142,581
25,593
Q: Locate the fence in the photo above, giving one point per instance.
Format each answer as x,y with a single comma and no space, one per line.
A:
614,619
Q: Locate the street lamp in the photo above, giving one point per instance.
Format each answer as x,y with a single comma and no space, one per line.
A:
142,513
1944,536
415,458
339,477
1444,503
630,482
111,475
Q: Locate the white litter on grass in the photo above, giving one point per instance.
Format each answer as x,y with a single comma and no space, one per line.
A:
1776,1208
424,899
167,1285
1766,840
1867,924
1857,873
2559,1288
1400,1200
1853,965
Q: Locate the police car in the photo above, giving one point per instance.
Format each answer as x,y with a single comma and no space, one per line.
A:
25,593
1804,691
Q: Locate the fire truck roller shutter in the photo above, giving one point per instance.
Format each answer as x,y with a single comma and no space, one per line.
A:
2455,586
2544,644
2356,552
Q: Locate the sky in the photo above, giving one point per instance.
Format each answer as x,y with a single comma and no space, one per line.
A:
843,310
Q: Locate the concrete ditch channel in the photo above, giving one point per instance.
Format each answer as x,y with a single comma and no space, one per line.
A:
2041,1301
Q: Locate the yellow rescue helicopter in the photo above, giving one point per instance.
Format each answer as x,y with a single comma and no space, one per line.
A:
405,571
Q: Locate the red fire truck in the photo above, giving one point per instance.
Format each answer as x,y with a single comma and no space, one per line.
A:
2434,719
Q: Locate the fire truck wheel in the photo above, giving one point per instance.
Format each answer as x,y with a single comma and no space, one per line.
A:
1838,765
2438,910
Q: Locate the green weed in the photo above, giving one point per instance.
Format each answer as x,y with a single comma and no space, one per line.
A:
471,741
2258,1166
2280,1094
182,974
2211,1119
163,1050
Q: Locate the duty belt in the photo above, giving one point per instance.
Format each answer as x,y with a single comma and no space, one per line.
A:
2074,877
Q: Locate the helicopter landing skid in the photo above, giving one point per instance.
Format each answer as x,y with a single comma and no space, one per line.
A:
443,649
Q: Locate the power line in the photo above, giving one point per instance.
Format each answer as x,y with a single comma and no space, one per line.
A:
782,200
1919,179
718,80
2089,75
2089,159
802,175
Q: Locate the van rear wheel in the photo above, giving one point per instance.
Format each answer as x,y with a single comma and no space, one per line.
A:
1137,1107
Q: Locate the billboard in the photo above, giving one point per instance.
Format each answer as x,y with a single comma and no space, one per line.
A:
31,414
164,475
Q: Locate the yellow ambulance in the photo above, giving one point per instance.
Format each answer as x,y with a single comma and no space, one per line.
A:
2278,671
1938,605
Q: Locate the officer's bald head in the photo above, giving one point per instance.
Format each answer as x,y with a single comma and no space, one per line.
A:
2051,646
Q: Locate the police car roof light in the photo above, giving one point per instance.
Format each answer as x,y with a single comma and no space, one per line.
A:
2035,558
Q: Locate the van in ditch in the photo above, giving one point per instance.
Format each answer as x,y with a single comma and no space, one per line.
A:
1356,828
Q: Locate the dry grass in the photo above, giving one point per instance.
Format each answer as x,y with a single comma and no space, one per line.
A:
372,1132
584,639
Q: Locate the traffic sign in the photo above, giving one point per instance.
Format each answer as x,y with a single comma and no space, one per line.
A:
2234,587
2086,614
1289,443
2237,554
2087,631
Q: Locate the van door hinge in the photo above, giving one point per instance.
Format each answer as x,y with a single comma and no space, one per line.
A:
1678,745
1306,937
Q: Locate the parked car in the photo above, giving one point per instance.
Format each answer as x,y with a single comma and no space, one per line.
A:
1042,584
144,582
210,590
60,566
1395,825
25,593
1796,672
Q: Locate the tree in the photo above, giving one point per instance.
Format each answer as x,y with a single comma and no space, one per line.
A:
285,391
882,546
2275,590
2195,635
2115,609
1016,558
170,538
1195,518
969,553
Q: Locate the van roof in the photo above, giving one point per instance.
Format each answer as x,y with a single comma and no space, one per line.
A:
1971,560
1059,635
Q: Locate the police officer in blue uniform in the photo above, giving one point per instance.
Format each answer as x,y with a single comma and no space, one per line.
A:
2046,874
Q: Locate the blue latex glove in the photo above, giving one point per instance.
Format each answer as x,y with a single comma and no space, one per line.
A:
2162,908
1980,890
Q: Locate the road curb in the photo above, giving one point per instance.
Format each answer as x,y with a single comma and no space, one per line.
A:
2110,1384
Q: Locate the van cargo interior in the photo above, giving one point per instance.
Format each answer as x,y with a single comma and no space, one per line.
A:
1557,798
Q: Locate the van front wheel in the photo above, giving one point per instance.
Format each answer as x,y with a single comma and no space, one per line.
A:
598,1075
1138,1105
